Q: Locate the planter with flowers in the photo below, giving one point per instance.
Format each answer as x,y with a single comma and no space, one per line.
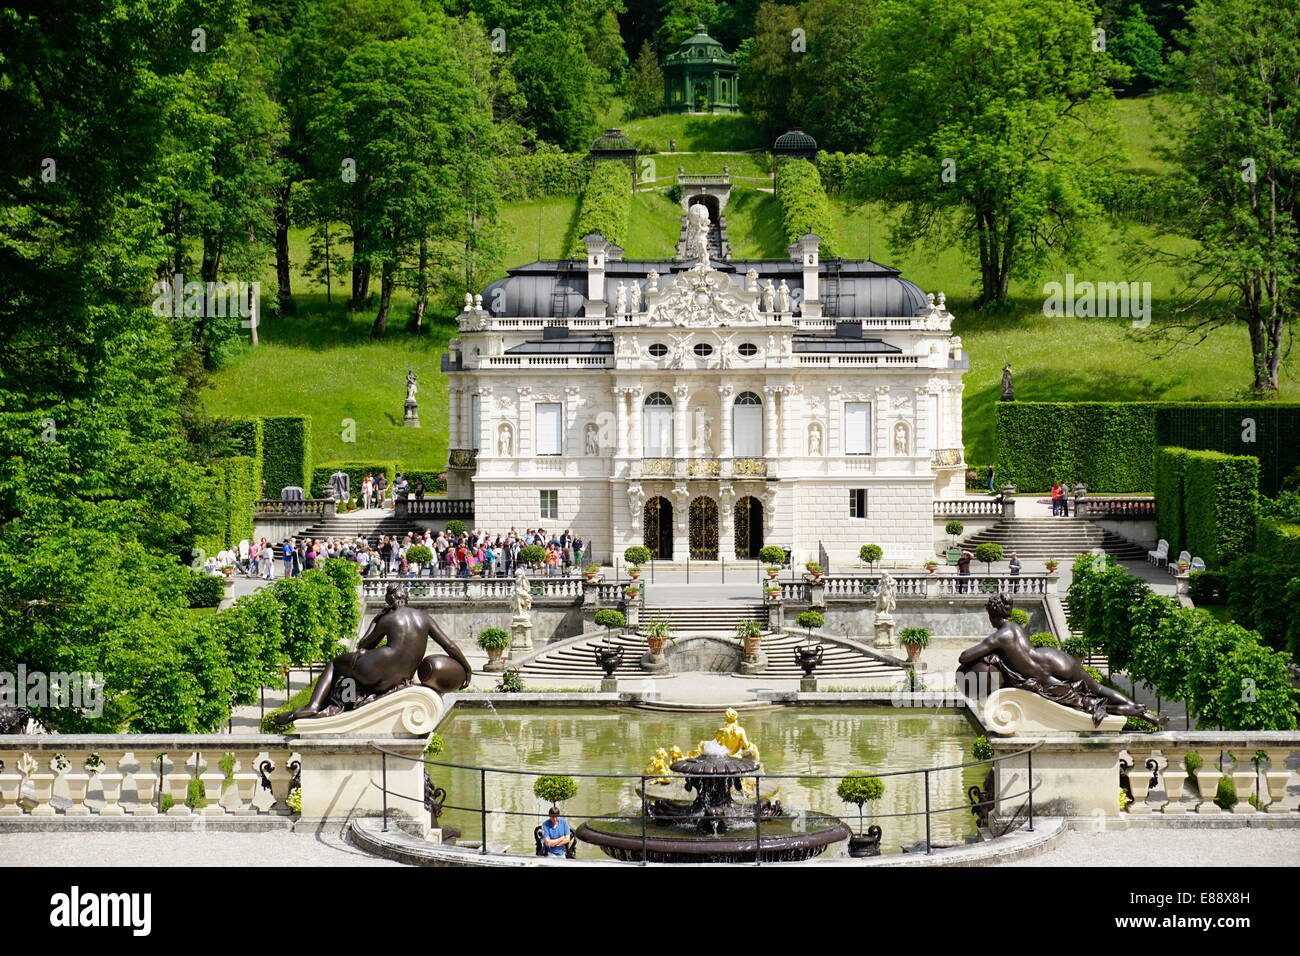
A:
814,570
494,640
931,566
1052,564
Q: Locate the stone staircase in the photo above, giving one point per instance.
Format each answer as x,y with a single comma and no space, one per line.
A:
1037,539
685,619
369,524
577,660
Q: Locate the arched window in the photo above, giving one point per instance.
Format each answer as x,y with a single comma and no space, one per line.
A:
747,425
658,426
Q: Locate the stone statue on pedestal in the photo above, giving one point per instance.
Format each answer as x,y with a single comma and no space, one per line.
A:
411,415
521,621
886,601
1008,386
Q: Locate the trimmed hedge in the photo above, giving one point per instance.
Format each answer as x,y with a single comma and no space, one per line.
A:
1265,596
606,206
203,590
1220,500
246,437
286,453
435,482
857,175
1182,653
1170,464
1110,446
356,470
230,516
543,174
1278,541
804,206
1208,587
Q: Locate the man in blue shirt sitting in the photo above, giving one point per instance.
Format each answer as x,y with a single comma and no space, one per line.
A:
556,835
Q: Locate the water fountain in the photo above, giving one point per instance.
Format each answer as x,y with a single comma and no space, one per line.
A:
721,823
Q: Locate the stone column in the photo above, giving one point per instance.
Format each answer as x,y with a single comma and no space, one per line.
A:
680,422
453,419
880,443
724,392
681,522
727,523
834,422
620,415
770,447
524,436
570,441
792,420
485,420
638,417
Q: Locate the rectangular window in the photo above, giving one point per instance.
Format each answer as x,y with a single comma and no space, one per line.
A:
550,505
474,411
857,428
857,502
550,422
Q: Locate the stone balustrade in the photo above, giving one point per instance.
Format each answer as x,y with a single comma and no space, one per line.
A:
1119,509
1083,775
49,775
269,508
968,508
470,589
435,507
836,587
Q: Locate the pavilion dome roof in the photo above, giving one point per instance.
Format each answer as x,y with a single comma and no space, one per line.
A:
701,47
612,140
795,140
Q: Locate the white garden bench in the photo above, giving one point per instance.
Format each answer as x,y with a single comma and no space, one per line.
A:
1160,556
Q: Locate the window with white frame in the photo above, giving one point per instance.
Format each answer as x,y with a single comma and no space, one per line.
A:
747,425
658,425
857,502
857,428
549,507
474,410
549,428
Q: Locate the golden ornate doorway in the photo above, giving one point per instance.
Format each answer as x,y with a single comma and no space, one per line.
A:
657,527
749,527
704,529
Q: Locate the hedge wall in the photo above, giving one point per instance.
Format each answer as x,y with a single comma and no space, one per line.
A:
1111,446
804,207
1170,463
230,516
853,174
286,453
1265,596
606,206
1182,653
435,482
543,174
1220,501
1106,445
246,437
357,471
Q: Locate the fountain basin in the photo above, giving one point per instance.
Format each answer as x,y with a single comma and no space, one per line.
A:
789,839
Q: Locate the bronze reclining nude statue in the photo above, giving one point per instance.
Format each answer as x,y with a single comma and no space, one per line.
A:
1047,671
372,670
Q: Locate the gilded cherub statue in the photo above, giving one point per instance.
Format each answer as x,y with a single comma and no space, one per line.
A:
659,764
732,736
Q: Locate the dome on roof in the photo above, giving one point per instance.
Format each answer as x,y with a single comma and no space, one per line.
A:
795,143
612,140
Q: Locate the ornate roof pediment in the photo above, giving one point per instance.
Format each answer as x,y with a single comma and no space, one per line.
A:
702,297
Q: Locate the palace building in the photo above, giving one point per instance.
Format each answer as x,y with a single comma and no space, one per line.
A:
706,407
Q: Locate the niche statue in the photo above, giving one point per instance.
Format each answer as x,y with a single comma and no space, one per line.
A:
370,671
1049,672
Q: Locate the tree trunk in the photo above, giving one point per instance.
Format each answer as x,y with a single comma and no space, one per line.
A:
422,299
329,271
211,258
283,273
385,298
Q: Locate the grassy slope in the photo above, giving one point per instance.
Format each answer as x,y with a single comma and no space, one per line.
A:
324,364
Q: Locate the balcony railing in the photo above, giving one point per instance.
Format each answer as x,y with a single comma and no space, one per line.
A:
700,468
278,508
919,587
1127,509
968,508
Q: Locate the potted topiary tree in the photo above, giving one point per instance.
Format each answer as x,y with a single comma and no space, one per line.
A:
609,656
751,633
607,618
988,552
555,789
952,529
870,554
773,557
455,527
656,634
417,556
862,789
810,621
532,555
915,639
1044,639
494,640
636,556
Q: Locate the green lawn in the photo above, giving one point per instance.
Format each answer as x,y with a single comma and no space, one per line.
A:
724,133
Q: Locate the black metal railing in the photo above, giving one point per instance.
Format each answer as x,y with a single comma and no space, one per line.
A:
980,804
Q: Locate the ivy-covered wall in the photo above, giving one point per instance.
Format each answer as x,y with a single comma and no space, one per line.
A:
286,453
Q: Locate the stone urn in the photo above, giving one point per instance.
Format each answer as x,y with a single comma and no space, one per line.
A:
865,844
656,645
634,573
494,657
609,657
752,645
773,595
931,567
808,657
773,572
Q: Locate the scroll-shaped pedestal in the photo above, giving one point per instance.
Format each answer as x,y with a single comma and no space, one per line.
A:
1016,712
343,772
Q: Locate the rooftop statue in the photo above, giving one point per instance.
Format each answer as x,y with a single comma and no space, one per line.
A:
1047,671
355,678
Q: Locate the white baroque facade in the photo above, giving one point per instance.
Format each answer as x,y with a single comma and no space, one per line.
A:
709,407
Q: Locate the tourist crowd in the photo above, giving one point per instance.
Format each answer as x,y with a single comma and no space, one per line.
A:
473,553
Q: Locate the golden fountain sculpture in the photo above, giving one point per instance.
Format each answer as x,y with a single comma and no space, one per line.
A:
659,764
731,735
